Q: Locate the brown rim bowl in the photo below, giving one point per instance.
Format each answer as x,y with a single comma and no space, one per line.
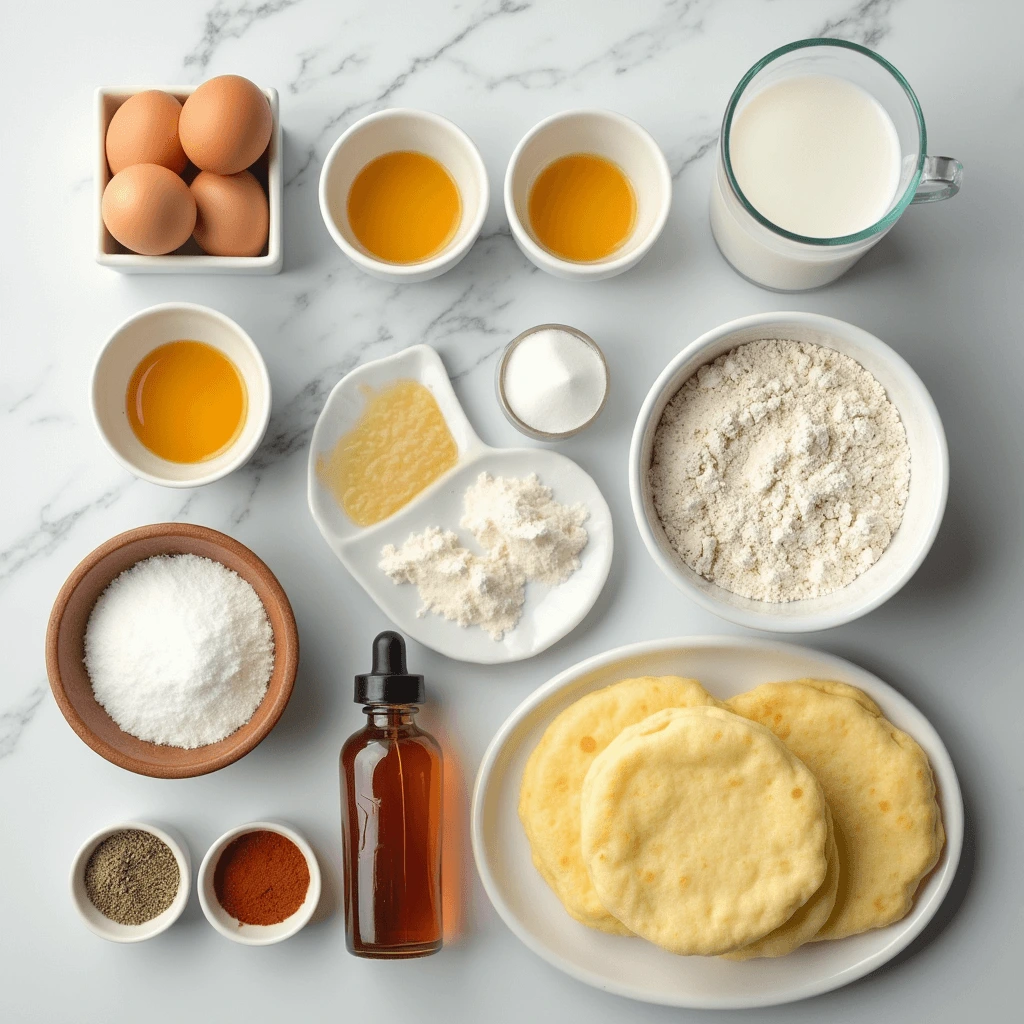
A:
65,650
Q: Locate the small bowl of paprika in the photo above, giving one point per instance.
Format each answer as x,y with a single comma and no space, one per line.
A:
259,883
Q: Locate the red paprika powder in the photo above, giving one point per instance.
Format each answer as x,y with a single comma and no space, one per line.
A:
261,878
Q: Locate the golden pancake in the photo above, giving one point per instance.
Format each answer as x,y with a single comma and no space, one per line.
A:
549,798
701,832
805,924
879,785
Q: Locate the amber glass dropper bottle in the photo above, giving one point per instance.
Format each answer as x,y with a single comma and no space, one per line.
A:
391,816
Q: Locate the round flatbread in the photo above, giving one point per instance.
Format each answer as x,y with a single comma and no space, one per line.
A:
549,797
805,923
701,832
879,785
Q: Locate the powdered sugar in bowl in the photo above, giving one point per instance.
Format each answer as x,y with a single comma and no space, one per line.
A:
886,553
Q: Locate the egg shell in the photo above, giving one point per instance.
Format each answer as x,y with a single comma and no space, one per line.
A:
149,209
144,130
225,125
232,214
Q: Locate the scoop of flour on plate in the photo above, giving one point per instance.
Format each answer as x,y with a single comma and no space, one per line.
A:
525,535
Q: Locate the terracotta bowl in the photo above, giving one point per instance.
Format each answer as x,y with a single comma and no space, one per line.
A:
65,650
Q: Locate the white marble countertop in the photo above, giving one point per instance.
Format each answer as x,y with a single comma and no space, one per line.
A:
943,289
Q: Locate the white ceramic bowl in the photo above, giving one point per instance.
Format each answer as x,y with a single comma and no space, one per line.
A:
929,474
603,133
103,926
123,351
388,131
190,259
256,934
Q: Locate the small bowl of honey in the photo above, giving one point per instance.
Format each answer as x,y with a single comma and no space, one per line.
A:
587,193
181,395
404,194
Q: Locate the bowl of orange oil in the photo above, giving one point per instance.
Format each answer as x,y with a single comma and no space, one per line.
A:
587,193
404,194
181,395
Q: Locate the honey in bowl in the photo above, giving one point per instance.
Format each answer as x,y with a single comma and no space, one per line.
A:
582,207
186,401
400,445
404,207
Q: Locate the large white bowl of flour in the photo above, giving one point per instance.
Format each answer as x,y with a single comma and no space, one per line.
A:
925,499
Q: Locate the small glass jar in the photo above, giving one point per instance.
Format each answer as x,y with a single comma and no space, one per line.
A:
391,772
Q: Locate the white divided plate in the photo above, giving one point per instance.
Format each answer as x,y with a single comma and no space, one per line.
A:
632,967
549,613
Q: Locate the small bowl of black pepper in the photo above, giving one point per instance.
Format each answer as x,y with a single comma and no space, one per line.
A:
131,882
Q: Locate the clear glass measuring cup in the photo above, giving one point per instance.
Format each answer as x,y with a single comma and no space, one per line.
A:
776,258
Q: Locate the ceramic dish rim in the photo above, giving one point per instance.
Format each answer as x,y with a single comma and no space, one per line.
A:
177,906
766,618
262,414
499,383
299,919
951,795
450,255
608,267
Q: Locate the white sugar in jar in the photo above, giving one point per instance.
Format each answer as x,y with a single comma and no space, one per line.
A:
552,382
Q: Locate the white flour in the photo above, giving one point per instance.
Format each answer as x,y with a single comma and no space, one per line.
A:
456,583
518,522
780,471
525,536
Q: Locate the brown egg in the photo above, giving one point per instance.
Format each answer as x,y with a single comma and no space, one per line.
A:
225,125
232,215
149,209
144,130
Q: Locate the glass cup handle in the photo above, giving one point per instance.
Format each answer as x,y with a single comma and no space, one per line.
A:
940,179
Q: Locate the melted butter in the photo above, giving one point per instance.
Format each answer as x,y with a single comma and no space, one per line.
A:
404,207
582,207
186,401
400,445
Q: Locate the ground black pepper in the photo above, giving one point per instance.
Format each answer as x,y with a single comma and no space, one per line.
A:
132,877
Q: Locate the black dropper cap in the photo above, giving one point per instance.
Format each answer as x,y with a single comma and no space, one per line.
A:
389,682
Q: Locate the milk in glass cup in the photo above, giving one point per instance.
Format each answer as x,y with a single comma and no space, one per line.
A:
823,146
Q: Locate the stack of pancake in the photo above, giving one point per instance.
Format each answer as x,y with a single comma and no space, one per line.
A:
792,813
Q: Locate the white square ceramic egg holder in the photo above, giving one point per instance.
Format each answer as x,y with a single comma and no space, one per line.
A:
189,259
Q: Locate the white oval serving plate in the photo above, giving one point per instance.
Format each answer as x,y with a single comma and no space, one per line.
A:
634,968
549,613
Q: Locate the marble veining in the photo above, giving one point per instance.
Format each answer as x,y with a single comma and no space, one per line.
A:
53,529
475,310
866,23
481,16
223,22
14,720
495,67
697,148
676,21
308,76
469,317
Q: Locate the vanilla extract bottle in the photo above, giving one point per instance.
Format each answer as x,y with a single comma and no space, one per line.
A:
391,815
